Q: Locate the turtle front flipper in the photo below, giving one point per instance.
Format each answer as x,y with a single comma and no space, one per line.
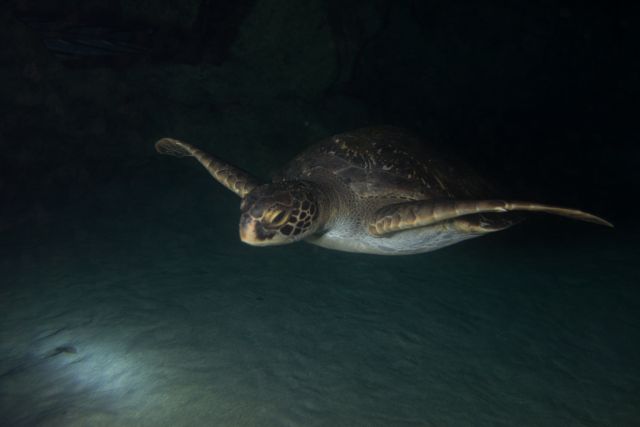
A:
408,215
236,180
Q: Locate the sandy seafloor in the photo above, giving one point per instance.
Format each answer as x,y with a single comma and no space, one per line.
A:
142,308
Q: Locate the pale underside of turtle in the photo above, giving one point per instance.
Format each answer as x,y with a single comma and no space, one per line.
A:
373,190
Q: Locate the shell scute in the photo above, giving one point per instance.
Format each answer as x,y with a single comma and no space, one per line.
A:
385,162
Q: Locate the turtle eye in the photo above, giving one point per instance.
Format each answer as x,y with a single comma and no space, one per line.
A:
275,217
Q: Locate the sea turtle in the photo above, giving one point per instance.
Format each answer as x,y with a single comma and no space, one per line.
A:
373,190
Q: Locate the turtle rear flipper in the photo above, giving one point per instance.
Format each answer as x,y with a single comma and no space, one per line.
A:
421,213
233,178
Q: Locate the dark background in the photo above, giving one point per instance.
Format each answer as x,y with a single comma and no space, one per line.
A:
541,96
133,259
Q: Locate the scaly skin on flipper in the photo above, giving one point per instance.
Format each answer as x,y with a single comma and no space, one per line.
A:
409,215
234,179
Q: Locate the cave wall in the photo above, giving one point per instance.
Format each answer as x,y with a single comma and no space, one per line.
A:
501,83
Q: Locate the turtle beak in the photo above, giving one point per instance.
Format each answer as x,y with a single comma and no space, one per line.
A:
247,230
251,232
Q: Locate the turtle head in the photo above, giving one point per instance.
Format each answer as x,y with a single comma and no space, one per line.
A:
279,213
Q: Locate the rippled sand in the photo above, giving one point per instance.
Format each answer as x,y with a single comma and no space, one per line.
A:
132,317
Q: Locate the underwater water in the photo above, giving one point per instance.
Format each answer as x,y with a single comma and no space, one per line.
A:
148,311
127,298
